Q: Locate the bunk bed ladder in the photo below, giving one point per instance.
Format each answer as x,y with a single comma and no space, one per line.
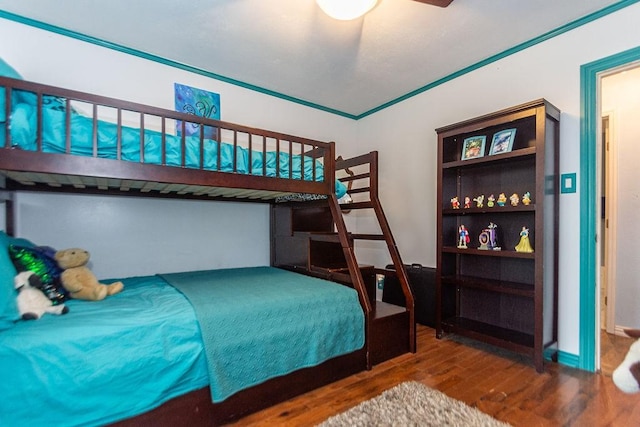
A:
381,314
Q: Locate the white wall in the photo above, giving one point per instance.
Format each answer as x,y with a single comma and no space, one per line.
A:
129,236
621,99
405,136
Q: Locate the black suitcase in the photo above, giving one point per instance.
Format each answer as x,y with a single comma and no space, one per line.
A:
422,281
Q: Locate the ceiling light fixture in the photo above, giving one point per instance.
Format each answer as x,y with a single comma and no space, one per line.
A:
346,10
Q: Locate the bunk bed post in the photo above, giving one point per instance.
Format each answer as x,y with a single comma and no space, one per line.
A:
330,167
7,198
5,119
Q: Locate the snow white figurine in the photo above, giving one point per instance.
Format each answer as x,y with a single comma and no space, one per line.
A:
524,245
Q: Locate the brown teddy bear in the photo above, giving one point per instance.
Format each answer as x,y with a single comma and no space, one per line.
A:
79,280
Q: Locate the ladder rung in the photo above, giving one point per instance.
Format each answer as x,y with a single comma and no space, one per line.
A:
325,237
359,190
355,177
356,205
368,236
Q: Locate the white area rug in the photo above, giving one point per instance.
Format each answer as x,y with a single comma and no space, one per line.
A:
412,404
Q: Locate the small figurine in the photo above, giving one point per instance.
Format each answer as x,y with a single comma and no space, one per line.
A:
526,198
488,238
491,201
524,245
479,201
463,237
455,203
502,199
514,199
467,202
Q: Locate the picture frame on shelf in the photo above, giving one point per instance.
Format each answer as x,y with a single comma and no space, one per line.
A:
473,147
502,142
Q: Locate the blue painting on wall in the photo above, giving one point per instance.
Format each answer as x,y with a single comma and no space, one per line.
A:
198,102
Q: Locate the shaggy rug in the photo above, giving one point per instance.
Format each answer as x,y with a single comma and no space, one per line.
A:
412,404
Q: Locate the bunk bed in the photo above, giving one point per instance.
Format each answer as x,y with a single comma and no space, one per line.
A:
60,140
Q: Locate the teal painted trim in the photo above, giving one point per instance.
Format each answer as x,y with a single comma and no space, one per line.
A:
568,359
588,126
568,183
551,34
164,61
564,358
589,74
522,46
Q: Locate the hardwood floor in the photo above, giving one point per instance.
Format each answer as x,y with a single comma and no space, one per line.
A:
499,383
613,349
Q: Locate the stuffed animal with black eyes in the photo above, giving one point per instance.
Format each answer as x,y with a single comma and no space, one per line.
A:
32,302
78,280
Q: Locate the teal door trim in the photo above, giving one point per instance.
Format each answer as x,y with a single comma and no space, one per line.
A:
589,117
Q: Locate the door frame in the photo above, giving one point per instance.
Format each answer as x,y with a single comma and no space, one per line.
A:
590,75
611,227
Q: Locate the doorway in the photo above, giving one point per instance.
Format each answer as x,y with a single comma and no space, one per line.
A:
590,82
620,109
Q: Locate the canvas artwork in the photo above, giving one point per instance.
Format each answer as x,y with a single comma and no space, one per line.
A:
198,102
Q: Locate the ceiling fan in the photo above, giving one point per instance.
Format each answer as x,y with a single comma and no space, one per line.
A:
440,3
346,11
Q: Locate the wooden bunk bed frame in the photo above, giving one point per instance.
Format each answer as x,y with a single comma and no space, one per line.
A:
37,170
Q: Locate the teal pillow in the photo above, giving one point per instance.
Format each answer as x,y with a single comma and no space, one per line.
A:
8,307
6,71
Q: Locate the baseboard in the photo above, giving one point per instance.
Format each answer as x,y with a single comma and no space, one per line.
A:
568,359
619,331
564,358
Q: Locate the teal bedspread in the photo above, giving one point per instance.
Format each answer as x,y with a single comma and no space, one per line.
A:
113,359
103,361
54,129
259,323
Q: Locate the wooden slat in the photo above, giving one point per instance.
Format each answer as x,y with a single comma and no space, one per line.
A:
367,236
357,205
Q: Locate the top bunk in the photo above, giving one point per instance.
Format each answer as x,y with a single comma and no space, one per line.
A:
55,139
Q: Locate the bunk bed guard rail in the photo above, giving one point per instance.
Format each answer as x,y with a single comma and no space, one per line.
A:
153,149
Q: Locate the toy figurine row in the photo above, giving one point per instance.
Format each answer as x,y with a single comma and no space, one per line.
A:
487,239
492,201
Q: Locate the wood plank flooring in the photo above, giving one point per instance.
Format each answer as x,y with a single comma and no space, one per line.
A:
501,384
613,349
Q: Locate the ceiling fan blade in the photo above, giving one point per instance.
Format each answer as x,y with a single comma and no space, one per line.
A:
439,3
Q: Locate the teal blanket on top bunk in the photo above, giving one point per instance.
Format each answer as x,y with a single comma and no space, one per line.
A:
24,126
262,322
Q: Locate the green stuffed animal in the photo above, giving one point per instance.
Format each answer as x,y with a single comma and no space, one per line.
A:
79,280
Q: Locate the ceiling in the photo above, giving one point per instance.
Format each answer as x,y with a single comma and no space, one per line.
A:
291,49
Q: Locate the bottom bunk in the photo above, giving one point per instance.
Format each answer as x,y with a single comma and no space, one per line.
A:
212,345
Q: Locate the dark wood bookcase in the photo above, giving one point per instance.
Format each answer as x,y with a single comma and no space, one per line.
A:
503,297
